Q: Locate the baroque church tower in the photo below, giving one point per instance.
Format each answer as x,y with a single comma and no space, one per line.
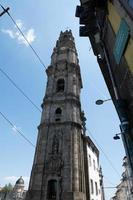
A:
58,169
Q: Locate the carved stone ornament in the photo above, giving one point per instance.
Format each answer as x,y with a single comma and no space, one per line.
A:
55,146
54,164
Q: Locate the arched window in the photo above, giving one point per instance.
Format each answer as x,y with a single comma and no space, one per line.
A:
58,113
60,85
52,190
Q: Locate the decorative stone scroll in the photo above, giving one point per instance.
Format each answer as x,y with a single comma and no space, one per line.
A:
54,164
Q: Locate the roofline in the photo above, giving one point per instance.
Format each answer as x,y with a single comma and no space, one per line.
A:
91,143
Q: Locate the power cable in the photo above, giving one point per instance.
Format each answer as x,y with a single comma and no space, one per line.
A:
107,179
34,51
105,155
20,132
18,88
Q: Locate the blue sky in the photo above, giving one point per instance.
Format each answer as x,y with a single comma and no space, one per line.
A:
42,22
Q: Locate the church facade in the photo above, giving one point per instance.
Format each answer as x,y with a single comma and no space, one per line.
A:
60,167
17,193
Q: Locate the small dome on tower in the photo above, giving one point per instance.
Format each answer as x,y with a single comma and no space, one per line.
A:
20,181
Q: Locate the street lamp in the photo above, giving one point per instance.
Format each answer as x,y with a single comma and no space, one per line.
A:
121,108
100,101
117,137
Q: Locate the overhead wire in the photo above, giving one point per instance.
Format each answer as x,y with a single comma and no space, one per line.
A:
23,93
108,180
20,132
105,155
42,63
34,51
19,89
11,80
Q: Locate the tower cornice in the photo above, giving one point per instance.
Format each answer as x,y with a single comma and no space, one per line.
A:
60,149
59,124
71,67
65,99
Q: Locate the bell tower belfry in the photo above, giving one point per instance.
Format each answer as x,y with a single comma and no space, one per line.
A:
58,168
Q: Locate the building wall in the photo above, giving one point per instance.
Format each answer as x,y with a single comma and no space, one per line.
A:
93,167
124,189
12,196
109,26
122,71
59,157
116,13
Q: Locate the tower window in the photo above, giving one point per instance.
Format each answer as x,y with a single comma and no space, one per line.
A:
52,190
60,85
58,113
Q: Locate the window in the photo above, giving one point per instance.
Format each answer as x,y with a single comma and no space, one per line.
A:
52,190
58,113
89,160
92,189
96,188
60,85
94,165
121,40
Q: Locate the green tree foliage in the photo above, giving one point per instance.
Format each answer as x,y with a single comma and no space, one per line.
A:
7,188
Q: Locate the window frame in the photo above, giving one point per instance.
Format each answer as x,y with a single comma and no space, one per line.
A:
90,163
92,186
58,114
60,85
96,188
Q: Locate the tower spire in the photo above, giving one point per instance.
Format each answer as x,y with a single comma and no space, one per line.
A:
65,49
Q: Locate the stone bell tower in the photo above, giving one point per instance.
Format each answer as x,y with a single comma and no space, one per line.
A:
58,169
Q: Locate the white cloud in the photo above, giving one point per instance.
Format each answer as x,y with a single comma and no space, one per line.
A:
13,179
8,32
30,36
19,23
16,129
15,34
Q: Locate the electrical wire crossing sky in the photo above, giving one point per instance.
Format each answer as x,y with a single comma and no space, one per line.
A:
28,35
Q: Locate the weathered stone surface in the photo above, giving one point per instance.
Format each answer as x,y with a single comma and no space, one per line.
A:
61,170
58,164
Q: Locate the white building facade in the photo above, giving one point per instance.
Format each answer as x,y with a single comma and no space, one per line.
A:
124,189
95,179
